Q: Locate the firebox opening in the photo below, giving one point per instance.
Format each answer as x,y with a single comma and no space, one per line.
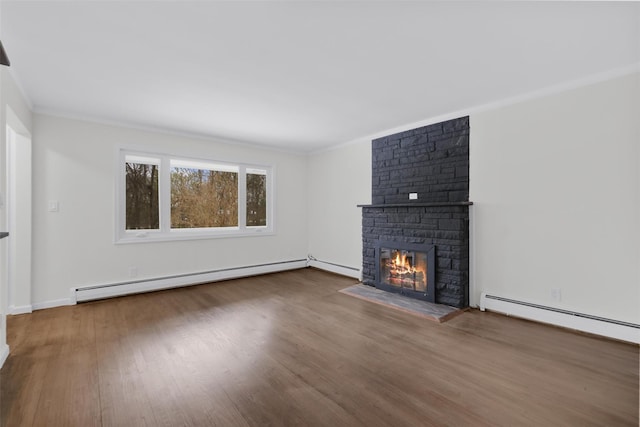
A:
407,269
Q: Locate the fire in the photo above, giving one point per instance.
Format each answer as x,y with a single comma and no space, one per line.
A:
406,269
402,265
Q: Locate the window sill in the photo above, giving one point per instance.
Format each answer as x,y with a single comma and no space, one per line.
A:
182,235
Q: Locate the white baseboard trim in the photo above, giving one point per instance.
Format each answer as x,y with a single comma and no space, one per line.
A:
610,328
90,293
53,303
21,309
4,353
335,268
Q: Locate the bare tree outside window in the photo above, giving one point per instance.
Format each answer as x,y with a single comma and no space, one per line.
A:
256,200
142,210
203,198
179,198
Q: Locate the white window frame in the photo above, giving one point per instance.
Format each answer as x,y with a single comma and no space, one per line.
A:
165,232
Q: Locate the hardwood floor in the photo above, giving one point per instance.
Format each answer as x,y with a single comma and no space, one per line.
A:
288,349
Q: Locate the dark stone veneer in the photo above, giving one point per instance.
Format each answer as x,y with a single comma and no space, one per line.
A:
432,161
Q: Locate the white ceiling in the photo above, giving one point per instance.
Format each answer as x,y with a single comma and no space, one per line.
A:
302,75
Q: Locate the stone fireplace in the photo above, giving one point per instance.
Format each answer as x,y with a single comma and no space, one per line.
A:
416,231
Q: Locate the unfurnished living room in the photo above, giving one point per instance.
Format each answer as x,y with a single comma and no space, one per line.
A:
319,213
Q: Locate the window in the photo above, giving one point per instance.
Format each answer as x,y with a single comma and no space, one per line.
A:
142,193
256,197
203,195
162,197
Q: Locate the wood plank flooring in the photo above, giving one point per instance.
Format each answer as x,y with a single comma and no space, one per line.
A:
288,349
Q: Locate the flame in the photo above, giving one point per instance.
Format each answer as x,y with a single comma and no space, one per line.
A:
402,264
401,272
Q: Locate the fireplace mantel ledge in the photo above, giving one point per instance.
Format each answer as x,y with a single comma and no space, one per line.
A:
416,205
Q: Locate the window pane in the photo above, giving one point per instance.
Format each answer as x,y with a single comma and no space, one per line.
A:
203,198
256,200
142,196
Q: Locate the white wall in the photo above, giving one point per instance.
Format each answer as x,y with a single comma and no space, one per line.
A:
556,193
339,179
74,163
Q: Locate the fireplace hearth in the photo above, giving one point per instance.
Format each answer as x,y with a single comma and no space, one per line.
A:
406,269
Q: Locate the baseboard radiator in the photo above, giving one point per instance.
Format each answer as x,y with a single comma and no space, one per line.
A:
91,293
343,270
610,328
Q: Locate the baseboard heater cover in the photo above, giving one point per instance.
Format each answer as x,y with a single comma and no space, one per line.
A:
96,292
343,270
624,331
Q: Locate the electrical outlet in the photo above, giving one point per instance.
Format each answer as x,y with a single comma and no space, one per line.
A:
556,294
413,196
